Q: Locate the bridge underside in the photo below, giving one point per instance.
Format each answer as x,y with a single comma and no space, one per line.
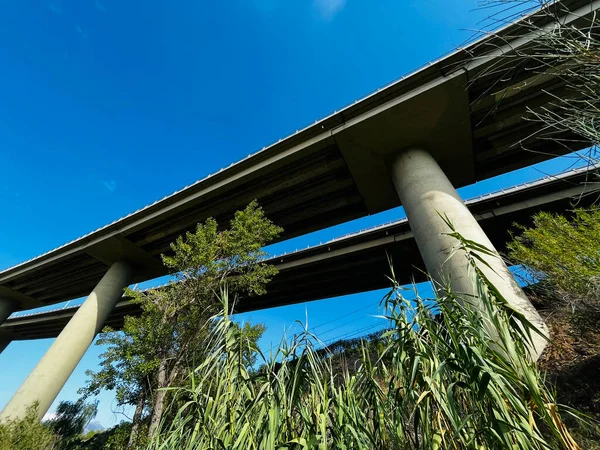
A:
340,179
467,110
457,121
358,263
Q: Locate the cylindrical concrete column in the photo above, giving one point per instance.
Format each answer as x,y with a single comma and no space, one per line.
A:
427,196
51,373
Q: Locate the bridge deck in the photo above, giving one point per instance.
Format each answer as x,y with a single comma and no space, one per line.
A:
358,262
332,171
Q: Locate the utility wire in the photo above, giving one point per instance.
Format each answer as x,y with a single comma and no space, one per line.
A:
340,318
333,329
361,332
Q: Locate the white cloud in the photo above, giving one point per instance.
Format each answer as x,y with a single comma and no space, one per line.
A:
100,6
329,8
49,416
56,7
111,185
94,425
82,33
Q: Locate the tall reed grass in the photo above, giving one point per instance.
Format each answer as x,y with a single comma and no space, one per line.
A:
440,381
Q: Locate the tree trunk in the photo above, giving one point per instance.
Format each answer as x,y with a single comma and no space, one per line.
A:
137,418
159,398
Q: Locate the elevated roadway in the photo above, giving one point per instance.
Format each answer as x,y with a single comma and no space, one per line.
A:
358,262
466,109
455,121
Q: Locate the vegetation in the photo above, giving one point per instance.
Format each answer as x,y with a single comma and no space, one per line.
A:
435,379
438,383
568,51
27,434
562,255
153,351
116,438
71,419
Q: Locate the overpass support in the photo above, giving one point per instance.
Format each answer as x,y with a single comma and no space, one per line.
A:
427,195
51,373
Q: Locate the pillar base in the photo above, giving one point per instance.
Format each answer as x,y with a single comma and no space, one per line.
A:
52,372
428,198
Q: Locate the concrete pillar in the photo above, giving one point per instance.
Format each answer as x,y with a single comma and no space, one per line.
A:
51,373
427,195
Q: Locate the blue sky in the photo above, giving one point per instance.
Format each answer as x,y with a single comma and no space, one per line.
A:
106,106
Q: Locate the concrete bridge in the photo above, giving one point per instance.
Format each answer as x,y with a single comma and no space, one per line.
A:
358,262
454,122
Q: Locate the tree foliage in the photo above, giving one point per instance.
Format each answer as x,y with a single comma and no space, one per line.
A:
71,418
122,368
154,351
115,438
563,253
202,261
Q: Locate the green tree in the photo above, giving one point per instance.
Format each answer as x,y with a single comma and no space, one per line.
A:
124,370
251,334
71,419
115,438
563,253
155,350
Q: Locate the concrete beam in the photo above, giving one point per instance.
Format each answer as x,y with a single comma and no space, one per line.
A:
7,307
54,369
305,274
336,169
429,197
428,116
4,341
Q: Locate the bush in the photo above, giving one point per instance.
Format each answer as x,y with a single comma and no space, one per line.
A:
27,434
564,253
